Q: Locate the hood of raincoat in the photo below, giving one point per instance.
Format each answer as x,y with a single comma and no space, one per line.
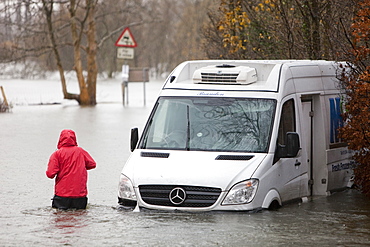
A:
67,139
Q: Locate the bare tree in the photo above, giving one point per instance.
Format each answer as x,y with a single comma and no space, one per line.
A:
172,34
111,19
82,26
52,27
79,35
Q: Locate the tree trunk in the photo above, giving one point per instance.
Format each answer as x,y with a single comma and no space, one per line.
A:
316,46
88,85
48,10
76,39
311,27
306,28
92,68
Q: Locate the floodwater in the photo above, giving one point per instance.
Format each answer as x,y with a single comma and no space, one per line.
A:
29,134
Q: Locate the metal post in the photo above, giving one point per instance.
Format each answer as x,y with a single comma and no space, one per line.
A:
144,94
124,85
144,81
125,78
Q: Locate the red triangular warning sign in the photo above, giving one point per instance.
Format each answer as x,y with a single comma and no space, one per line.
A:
126,39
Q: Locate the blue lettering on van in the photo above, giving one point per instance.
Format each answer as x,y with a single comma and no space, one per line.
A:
343,166
210,94
336,120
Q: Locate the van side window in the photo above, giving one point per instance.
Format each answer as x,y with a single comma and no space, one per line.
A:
287,121
336,121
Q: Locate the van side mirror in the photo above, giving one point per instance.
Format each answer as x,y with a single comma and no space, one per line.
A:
134,138
290,149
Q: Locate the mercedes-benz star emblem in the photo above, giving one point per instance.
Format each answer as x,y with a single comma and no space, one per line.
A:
177,196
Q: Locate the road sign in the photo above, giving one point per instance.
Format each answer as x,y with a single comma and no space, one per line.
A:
126,39
125,53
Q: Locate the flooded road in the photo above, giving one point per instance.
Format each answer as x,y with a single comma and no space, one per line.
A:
29,135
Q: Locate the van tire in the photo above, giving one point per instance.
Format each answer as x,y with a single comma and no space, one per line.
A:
274,205
272,200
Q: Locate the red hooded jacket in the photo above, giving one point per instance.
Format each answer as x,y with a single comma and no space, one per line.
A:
70,164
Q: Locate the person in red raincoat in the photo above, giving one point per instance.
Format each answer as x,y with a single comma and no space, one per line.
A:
69,164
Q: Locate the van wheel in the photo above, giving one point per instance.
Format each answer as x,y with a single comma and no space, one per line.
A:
274,205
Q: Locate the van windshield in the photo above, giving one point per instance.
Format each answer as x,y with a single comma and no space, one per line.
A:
210,124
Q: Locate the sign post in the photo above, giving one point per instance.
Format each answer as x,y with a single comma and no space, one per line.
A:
125,76
126,44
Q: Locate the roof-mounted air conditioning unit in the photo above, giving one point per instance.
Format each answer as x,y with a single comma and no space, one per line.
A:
225,74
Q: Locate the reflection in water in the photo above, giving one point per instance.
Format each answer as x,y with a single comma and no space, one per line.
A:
69,220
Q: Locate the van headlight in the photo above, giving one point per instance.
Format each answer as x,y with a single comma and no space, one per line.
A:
242,192
125,188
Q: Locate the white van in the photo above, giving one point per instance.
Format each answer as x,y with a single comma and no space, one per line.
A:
239,135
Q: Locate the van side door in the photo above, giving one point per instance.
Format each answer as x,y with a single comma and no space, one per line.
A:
288,167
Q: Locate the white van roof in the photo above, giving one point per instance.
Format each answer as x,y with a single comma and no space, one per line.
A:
243,75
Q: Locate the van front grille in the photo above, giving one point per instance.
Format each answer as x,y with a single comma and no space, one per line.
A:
195,196
219,77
